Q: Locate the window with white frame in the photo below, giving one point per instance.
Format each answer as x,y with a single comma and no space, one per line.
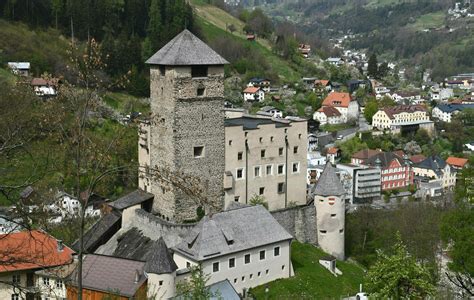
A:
46,280
262,255
15,297
276,251
296,167
239,173
269,170
231,262
281,169
257,171
247,259
215,267
59,283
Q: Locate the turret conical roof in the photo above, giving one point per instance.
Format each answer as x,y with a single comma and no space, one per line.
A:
160,260
186,49
328,183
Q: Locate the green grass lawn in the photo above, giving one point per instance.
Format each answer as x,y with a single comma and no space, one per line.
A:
432,20
311,280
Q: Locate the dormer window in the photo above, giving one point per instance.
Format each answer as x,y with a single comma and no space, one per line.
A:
198,71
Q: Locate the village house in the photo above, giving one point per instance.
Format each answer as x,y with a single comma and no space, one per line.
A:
254,94
322,85
272,111
396,170
335,61
305,50
32,263
435,168
328,115
441,94
263,83
394,118
109,276
446,112
333,155
45,88
457,163
343,102
265,157
20,68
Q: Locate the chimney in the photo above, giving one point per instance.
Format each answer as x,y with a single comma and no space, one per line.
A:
60,246
137,276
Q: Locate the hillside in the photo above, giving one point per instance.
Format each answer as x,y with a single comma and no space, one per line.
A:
424,33
311,280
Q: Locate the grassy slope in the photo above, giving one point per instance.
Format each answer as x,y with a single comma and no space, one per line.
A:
311,280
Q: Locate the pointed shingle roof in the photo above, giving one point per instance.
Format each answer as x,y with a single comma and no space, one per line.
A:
186,49
328,183
160,260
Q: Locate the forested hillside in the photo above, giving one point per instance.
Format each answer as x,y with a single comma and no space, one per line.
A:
128,30
419,32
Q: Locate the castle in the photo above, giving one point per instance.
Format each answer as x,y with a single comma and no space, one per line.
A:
245,245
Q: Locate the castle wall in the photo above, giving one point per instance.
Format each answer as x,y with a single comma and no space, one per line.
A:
300,222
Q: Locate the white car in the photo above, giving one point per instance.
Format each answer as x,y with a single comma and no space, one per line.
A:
362,296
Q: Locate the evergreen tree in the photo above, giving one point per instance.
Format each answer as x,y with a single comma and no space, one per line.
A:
372,69
155,27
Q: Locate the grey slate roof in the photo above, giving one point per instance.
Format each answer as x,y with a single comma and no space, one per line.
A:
435,163
328,183
101,231
253,122
111,274
186,49
134,198
449,108
160,260
232,231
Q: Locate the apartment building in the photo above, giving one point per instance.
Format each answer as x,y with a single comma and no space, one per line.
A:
366,182
393,117
266,157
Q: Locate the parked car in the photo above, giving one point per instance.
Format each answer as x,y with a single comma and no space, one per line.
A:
362,296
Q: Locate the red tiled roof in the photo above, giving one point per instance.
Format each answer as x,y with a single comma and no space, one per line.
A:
251,90
322,82
365,154
31,250
43,82
456,161
337,99
332,150
392,111
330,111
417,158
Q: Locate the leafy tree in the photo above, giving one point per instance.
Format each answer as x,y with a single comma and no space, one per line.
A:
258,200
371,108
383,70
422,137
386,101
372,68
195,288
399,275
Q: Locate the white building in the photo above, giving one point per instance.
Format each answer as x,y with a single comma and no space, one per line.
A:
20,68
335,61
390,117
274,112
436,168
446,112
254,94
245,245
348,108
45,88
328,115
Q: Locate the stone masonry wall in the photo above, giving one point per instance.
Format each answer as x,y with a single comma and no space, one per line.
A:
300,222
182,119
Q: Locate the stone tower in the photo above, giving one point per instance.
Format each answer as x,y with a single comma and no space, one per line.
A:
330,212
186,133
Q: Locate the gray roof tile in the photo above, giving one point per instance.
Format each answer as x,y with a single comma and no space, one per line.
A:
232,231
184,50
160,260
111,274
131,199
329,184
